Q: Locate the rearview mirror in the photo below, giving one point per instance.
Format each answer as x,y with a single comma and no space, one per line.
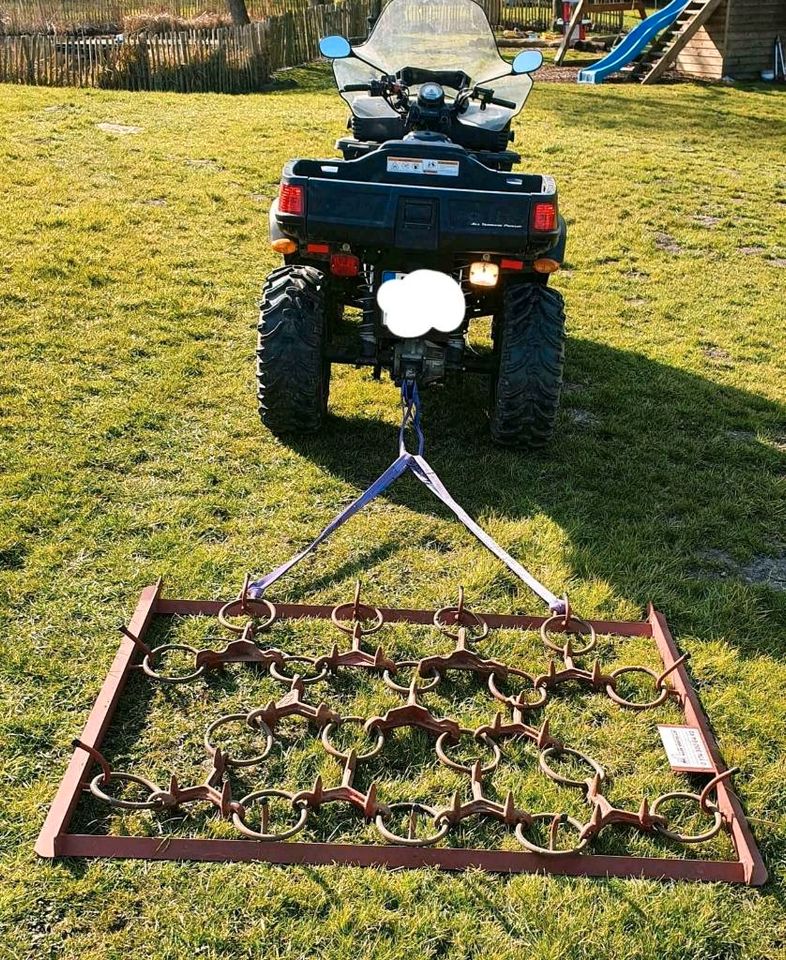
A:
334,48
527,61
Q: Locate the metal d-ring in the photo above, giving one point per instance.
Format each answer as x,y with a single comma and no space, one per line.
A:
257,725
557,819
420,688
125,804
242,826
147,667
515,701
278,675
704,805
335,752
244,605
567,624
468,768
662,697
414,808
567,781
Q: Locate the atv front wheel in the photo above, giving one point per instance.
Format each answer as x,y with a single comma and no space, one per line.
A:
293,375
529,345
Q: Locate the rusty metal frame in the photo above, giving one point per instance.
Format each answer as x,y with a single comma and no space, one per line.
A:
55,840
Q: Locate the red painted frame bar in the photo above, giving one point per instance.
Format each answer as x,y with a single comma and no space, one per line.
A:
56,841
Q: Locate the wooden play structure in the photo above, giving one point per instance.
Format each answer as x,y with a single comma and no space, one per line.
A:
709,40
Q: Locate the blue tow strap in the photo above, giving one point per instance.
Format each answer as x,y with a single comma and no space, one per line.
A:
419,466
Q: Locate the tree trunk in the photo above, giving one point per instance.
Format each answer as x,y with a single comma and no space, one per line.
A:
238,12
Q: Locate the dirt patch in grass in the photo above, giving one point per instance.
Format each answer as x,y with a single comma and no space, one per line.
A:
119,129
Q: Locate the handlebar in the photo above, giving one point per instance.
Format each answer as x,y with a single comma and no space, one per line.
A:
499,102
355,87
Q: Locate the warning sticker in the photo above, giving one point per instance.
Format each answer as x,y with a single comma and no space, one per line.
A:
686,749
426,167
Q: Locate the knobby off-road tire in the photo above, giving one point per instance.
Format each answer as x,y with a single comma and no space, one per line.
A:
529,343
293,376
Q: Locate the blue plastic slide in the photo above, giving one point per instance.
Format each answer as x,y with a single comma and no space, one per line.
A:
631,45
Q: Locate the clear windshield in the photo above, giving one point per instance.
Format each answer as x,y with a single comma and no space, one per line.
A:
441,35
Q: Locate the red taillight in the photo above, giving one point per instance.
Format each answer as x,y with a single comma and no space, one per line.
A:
512,264
290,199
317,248
344,265
544,217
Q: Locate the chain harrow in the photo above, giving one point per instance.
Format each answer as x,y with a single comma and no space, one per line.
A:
576,639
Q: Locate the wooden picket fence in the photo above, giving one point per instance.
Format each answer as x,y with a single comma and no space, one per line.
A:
221,59
230,60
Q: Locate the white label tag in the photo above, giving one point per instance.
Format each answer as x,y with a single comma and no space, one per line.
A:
685,749
426,167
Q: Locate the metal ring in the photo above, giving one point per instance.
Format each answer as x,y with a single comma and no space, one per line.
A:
662,697
566,781
411,841
146,666
593,637
376,618
242,826
467,768
278,675
516,702
229,718
334,752
545,851
473,620
421,688
227,611
687,838
125,804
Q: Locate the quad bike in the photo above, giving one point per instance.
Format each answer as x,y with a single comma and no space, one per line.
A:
426,183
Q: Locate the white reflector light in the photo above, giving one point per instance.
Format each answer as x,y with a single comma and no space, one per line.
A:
483,274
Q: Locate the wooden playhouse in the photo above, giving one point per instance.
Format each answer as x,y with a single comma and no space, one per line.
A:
734,40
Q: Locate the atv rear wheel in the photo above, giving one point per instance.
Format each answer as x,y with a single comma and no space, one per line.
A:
293,375
529,344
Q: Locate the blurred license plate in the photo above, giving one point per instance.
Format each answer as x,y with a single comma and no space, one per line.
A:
392,275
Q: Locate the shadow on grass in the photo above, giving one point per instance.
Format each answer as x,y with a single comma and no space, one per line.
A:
667,485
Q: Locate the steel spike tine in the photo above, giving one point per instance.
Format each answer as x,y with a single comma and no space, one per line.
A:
543,733
596,673
264,816
370,805
460,604
139,644
705,793
680,660
553,828
226,799
412,825
244,593
509,810
644,812
356,600
595,784
552,669
477,771
99,758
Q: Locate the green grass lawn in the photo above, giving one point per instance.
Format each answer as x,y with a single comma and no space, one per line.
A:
131,448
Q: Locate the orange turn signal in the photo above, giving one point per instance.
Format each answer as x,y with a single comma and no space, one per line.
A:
284,245
546,265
